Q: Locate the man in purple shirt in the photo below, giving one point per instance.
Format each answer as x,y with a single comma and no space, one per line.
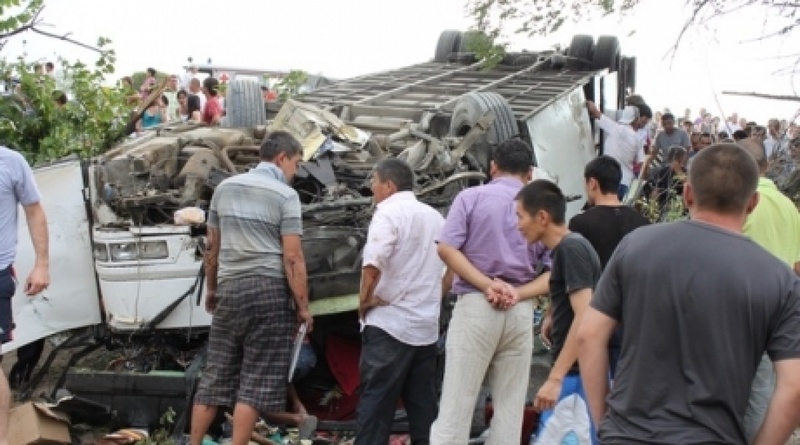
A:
490,334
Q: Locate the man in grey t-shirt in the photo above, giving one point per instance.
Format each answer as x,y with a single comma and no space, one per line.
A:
17,187
699,312
671,135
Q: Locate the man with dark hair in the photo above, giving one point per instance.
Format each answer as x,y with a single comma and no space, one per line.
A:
541,208
605,223
775,226
212,111
687,326
257,295
50,69
738,135
670,136
490,332
399,303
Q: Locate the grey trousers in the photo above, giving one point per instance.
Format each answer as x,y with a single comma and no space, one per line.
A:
760,396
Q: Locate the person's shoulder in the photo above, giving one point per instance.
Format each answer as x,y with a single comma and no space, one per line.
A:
13,156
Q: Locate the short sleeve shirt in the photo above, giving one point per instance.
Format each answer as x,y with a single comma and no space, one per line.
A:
576,266
253,211
17,186
699,312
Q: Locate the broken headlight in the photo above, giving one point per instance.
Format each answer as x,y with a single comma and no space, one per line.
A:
149,250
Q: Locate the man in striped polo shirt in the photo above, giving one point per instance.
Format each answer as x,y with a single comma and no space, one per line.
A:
256,288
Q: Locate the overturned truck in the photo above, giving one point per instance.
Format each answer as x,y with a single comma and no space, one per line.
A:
124,268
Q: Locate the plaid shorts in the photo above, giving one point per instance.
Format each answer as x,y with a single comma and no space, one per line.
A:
249,346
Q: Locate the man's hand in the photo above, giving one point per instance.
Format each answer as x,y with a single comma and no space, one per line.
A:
365,306
548,395
304,316
546,330
593,110
501,295
211,301
37,281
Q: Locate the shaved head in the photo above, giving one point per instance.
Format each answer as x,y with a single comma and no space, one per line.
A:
723,179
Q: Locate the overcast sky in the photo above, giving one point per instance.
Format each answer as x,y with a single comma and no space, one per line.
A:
343,38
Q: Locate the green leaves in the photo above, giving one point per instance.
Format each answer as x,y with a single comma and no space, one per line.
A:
92,120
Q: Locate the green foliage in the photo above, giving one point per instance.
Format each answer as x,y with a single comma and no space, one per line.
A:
484,47
92,120
540,17
161,436
290,84
16,14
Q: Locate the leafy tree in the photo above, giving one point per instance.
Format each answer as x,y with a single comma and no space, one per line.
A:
31,119
542,17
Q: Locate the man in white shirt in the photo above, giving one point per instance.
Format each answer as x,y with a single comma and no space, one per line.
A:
775,142
621,142
191,73
399,303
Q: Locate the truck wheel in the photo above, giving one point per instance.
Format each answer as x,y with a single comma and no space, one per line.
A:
244,104
630,73
581,53
606,54
470,108
449,42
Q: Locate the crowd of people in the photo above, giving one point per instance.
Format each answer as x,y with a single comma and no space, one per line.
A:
687,332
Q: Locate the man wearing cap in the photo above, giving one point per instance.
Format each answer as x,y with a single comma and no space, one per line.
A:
621,141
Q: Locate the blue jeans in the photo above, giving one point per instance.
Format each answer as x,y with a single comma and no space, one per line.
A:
7,287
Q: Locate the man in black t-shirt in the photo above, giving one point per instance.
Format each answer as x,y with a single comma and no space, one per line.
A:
604,225
694,335
541,209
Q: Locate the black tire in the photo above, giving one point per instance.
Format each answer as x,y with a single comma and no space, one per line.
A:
244,104
470,108
630,73
606,54
580,53
449,42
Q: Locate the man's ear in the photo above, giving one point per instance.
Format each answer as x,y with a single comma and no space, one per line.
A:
688,195
751,205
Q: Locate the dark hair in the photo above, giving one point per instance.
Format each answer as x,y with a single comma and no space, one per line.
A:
60,97
396,171
634,99
212,85
165,99
669,117
513,156
279,142
192,104
128,80
181,91
542,194
675,153
722,134
49,65
756,150
739,135
723,178
151,71
606,171
644,110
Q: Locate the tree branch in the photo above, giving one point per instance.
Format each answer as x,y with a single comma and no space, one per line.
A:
763,96
65,38
32,26
26,27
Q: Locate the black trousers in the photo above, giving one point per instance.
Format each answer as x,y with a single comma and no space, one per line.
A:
390,371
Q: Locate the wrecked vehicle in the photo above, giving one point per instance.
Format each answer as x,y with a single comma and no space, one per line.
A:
121,265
